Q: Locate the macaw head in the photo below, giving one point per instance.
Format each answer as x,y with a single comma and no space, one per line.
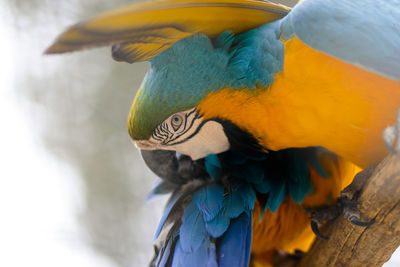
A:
165,113
195,49
180,105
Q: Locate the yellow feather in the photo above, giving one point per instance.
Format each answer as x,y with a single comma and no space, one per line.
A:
147,25
316,101
277,231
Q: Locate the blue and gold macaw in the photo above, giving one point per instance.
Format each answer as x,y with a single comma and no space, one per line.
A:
290,103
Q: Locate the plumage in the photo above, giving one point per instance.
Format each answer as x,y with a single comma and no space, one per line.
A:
236,241
152,23
325,102
207,214
213,166
209,200
277,108
193,230
217,226
166,213
363,33
213,210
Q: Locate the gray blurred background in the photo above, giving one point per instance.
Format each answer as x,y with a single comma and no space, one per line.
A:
75,106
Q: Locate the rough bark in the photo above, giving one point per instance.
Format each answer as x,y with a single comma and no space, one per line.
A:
351,245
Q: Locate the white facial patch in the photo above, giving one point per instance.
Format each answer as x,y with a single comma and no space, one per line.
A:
187,133
211,139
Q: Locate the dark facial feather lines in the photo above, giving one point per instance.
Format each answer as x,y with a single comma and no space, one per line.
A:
175,126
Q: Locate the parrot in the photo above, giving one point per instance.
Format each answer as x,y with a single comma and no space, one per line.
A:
273,109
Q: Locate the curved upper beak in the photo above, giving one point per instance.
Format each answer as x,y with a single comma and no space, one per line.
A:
146,145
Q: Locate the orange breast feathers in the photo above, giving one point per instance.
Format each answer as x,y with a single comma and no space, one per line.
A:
317,100
289,228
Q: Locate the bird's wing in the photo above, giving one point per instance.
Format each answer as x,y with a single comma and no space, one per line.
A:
365,33
203,224
141,31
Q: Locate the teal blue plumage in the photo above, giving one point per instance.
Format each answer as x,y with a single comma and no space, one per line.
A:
216,207
213,166
257,55
209,200
236,241
277,174
183,75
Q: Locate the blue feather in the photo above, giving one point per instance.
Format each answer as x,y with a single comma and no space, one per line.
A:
299,189
212,256
252,173
277,194
192,231
165,215
209,200
199,258
258,56
248,195
163,258
263,187
234,204
361,32
219,224
224,40
315,163
213,166
176,259
236,241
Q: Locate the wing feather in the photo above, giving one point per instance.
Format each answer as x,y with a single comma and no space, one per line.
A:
141,31
365,33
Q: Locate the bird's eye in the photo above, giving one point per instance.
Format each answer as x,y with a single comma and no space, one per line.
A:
176,121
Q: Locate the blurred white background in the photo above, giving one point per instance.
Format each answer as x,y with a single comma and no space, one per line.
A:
71,183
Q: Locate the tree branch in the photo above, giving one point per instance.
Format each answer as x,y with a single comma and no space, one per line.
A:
351,245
